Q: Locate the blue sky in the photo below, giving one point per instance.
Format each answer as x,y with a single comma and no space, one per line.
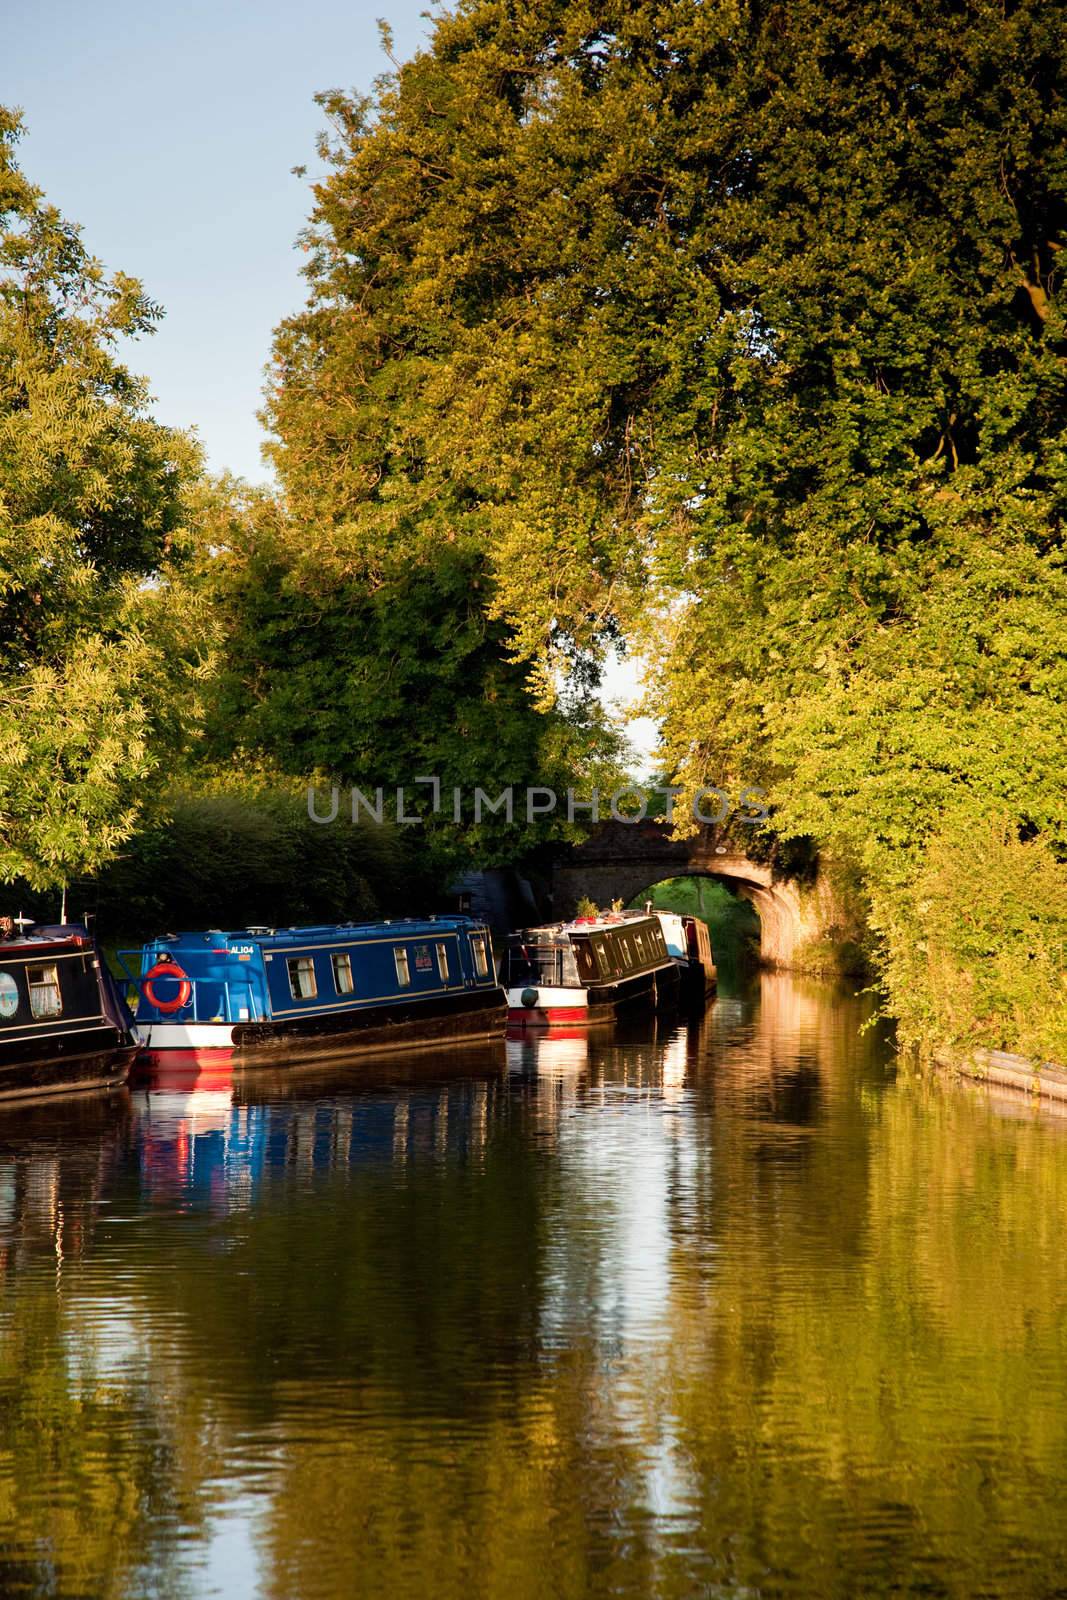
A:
169,132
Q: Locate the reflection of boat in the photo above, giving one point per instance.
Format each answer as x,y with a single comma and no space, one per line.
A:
195,1142
215,1147
64,1126
182,1071
562,1051
185,1112
584,972
331,1075
170,1081
63,1024
270,995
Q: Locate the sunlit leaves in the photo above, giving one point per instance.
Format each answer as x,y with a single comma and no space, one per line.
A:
98,641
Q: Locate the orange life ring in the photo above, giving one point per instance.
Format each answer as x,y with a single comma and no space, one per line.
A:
167,969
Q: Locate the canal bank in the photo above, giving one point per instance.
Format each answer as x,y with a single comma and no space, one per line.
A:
1047,1079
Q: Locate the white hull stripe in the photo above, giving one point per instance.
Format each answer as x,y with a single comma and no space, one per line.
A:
185,1036
546,997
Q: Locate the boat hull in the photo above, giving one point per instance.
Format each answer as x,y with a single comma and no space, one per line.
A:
696,982
592,1006
450,1019
66,1066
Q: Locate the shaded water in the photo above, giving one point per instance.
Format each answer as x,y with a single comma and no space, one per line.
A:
727,1310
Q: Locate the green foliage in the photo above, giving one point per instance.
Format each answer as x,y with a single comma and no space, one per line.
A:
380,678
234,852
587,907
740,328
734,328
976,949
92,620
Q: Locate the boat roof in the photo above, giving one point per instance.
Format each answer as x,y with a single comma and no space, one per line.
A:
662,911
400,927
41,934
609,919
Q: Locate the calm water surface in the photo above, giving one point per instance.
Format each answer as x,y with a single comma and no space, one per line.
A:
731,1309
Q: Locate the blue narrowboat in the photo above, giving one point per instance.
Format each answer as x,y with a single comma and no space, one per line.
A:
299,993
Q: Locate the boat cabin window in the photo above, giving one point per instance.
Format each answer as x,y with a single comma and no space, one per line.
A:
481,960
442,962
627,954
43,984
9,996
403,969
342,972
584,957
302,978
639,943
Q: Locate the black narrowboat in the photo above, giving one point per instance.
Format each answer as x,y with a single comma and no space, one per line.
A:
63,1024
701,975
583,972
689,946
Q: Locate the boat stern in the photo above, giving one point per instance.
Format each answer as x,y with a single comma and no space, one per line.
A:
543,1006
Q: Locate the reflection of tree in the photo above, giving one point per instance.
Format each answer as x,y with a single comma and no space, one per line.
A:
377,1318
89,1480
391,1243
869,1373
716,1310
541,1498
88,1477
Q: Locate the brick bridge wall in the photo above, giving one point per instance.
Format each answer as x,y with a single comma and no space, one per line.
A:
799,925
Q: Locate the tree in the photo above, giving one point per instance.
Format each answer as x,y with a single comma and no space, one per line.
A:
96,651
739,327
378,677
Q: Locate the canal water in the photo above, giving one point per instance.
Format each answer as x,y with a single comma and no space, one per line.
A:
738,1308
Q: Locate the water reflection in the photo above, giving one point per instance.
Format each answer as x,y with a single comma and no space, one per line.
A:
725,1307
215,1145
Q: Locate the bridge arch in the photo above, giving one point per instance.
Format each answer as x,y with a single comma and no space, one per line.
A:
620,859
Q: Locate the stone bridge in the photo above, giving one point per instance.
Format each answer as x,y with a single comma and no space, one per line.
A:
800,925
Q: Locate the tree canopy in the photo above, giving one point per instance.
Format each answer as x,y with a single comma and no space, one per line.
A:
91,520
735,328
732,331
388,672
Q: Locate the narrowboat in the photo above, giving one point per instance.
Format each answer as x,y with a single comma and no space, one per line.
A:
297,994
63,1024
689,945
583,972
703,976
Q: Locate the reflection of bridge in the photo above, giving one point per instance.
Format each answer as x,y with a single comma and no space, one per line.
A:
620,859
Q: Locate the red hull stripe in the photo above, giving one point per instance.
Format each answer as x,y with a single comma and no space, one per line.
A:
539,1015
215,1057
